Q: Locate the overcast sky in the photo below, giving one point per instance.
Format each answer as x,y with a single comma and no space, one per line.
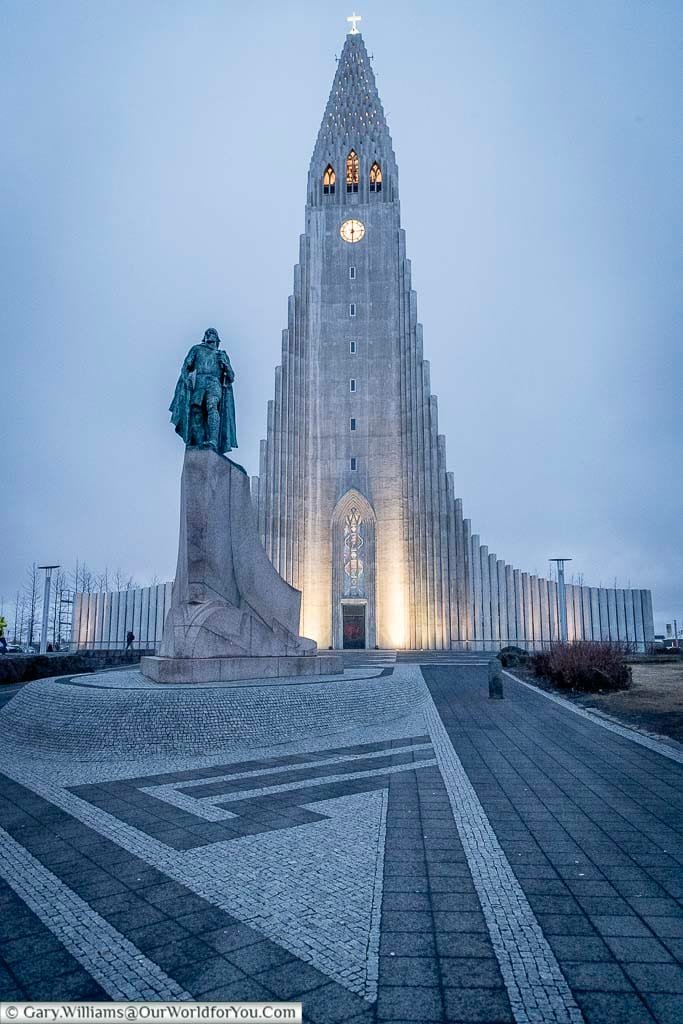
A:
153,161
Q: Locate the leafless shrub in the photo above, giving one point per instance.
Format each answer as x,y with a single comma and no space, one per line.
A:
588,667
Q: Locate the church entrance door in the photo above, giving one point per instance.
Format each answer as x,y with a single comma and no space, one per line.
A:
353,624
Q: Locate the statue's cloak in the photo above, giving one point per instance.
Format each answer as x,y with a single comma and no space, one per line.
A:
182,403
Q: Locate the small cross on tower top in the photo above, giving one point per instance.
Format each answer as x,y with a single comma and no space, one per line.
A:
353,19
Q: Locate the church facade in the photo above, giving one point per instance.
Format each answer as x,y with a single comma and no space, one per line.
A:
355,503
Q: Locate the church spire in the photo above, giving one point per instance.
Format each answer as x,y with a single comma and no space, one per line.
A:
353,122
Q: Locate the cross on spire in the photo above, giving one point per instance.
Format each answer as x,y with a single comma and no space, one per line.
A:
353,19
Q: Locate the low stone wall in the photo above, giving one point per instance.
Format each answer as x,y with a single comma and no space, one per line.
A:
22,668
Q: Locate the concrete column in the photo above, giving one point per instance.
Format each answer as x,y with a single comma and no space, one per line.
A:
535,610
519,606
502,604
595,613
485,597
604,614
612,613
528,617
469,584
495,602
553,611
510,598
545,612
477,591
648,618
638,616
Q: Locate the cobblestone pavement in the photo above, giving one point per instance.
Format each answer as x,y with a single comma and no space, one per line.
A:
471,860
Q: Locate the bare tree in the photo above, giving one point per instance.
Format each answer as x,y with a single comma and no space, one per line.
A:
31,590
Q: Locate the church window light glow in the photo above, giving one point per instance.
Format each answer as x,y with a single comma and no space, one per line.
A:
329,181
352,172
375,178
354,570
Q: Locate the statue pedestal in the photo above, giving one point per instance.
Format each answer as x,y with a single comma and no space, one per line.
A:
220,670
232,615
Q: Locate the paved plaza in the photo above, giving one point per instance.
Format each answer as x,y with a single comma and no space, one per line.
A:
410,851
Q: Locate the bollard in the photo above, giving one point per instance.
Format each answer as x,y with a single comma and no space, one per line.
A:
495,680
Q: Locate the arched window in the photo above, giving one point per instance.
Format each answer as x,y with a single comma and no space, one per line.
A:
375,178
329,180
352,172
354,569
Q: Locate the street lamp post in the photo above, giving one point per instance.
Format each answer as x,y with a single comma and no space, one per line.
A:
46,605
561,597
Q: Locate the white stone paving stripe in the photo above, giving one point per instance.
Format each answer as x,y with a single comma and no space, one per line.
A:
179,794
536,987
311,784
321,762
108,957
650,742
372,952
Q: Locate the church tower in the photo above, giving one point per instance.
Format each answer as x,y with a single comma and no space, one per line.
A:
355,505
350,506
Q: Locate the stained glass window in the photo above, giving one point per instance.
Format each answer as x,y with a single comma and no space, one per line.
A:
352,172
375,178
329,180
354,570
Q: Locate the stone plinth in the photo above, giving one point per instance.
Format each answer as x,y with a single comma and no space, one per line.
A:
214,670
229,604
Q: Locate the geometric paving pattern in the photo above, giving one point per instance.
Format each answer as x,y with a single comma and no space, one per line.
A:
360,874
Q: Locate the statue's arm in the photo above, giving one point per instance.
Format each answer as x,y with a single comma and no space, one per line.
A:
188,365
229,373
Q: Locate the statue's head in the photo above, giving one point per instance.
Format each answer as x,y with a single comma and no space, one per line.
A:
211,337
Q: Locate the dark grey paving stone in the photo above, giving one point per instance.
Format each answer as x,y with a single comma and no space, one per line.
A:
455,902
260,956
604,906
76,985
604,977
9,986
405,901
152,936
16,950
407,944
489,1006
135,917
667,1009
450,883
406,920
627,925
468,972
560,924
158,895
411,884
467,944
667,927
332,1004
292,980
204,975
177,954
656,977
243,989
460,921
648,906
410,1004
542,904
638,950
408,970
236,936
580,948
208,919
613,1008
32,971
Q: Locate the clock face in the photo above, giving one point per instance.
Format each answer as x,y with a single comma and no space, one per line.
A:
352,230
